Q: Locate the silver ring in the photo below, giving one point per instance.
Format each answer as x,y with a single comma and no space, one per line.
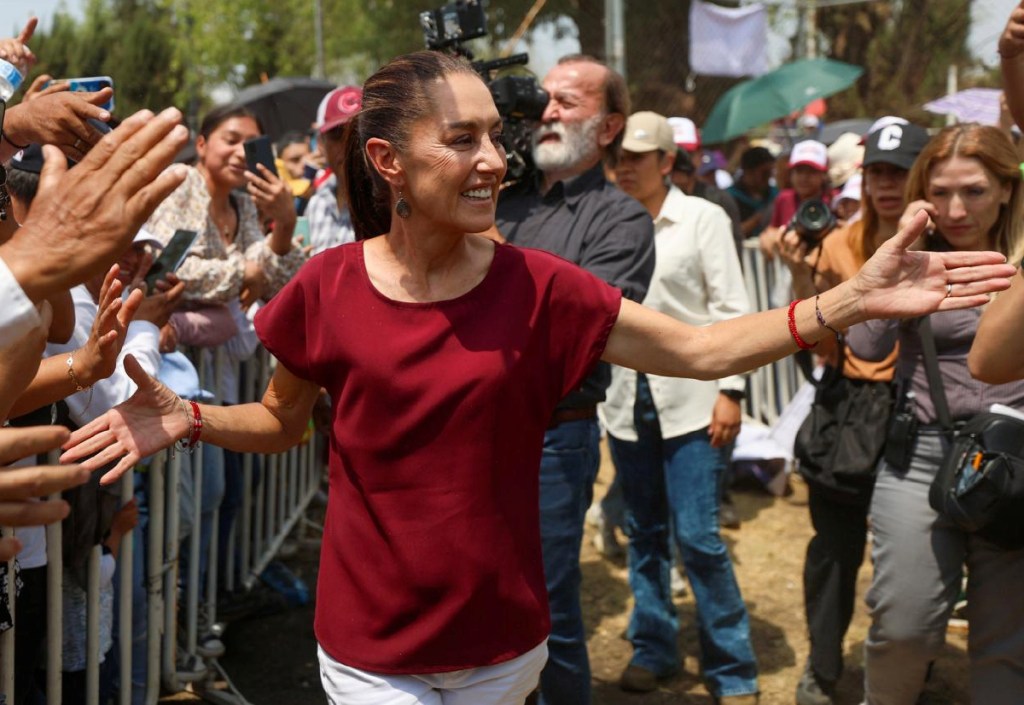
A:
949,290
78,143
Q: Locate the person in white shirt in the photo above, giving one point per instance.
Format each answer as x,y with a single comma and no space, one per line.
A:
670,438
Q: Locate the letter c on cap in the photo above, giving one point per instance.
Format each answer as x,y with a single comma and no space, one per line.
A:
891,137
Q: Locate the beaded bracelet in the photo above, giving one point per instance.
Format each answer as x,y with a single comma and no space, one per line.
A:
800,342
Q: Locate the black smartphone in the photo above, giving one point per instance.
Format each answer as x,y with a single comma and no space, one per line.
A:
259,151
170,258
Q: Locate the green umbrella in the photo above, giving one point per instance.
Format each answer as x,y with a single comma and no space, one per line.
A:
774,95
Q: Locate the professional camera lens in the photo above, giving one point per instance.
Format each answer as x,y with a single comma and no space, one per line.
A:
813,220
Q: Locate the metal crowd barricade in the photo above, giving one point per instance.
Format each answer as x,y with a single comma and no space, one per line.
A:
770,387
273,505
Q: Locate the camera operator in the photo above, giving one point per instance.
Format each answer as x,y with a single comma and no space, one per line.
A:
808,172
569,208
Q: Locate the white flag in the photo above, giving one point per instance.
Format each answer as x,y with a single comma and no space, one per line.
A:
728,41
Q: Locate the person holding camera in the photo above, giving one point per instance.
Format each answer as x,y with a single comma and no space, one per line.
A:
445,355
838,499
568,207
808,176
671,438
968,179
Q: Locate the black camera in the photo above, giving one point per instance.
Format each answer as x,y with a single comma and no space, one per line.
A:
812,221
452,24
520,99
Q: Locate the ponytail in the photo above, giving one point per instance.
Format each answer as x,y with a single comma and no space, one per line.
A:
369,199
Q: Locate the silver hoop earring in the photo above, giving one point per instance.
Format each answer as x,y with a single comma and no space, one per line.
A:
402,207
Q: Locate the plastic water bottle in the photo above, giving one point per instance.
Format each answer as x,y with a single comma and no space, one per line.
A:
10,79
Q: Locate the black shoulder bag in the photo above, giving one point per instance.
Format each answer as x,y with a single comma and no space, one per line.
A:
980,484
841,440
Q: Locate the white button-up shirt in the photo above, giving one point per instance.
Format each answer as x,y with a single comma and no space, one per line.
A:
697,279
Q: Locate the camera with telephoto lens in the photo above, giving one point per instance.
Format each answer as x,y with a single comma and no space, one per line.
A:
812,221
519,98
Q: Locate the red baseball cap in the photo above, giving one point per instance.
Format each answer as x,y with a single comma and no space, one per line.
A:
338,107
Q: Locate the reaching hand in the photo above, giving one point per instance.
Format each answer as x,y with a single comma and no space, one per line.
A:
898,282
1011,42
15,51
43,85
83,219
18,486
150,421
158,306
59,118
109,329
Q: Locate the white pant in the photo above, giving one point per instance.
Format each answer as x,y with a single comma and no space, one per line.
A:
505,683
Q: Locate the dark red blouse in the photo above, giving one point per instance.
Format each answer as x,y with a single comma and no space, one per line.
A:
431,557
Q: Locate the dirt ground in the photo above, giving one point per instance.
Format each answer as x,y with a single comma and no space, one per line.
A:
272,659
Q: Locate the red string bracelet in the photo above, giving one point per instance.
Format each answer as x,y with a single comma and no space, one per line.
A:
800,342
197,427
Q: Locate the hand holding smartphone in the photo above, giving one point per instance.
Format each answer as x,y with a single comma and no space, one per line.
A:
170,258
259,151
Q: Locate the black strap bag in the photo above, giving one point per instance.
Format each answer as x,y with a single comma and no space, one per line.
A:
980,484
841,440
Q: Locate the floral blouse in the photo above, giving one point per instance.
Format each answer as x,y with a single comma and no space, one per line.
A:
213,270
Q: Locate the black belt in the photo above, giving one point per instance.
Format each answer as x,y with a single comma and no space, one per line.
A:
565,415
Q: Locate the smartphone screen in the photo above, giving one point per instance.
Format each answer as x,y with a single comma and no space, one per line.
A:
171,257
259,151
91,84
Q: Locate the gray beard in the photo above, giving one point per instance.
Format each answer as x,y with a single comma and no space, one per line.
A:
578,145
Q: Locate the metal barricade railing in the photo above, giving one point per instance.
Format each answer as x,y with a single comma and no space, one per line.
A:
271,508
770,387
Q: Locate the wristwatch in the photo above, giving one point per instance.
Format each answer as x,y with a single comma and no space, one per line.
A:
734,394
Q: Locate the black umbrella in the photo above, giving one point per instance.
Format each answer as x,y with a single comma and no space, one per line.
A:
285,104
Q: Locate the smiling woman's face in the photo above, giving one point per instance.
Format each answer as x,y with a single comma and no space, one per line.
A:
967,197
455,161
222,153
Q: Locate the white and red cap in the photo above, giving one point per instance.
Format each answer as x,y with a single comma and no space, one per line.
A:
809,153
685,133
338,107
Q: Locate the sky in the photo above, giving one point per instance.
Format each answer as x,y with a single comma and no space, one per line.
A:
988,18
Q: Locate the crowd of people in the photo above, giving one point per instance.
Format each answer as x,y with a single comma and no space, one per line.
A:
473,339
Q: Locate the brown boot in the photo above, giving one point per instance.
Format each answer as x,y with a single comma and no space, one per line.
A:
637,679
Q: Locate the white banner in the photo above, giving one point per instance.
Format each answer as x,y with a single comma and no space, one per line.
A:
728,41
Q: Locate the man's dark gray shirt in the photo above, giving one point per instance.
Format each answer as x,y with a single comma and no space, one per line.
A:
588,221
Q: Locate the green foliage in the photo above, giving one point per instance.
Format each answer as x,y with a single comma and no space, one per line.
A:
163,52
132,41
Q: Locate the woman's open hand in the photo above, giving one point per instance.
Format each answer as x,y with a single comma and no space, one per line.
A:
150,421
898,282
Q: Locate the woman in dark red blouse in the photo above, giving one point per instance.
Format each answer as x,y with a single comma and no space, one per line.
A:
444,354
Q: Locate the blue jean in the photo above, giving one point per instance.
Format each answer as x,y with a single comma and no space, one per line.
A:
671,487
568,468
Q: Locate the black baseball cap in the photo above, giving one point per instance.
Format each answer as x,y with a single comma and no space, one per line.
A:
895,144
29,159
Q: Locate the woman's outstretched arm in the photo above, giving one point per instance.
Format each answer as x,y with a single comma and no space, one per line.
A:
996,353
154,419
895,283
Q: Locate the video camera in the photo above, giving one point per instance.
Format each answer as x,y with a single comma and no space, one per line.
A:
520,99
812,221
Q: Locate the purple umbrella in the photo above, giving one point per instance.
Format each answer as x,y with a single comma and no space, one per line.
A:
971,105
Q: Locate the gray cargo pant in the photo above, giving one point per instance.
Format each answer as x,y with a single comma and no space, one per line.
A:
918,560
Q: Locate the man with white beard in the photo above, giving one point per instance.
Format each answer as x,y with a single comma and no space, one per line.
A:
569,208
